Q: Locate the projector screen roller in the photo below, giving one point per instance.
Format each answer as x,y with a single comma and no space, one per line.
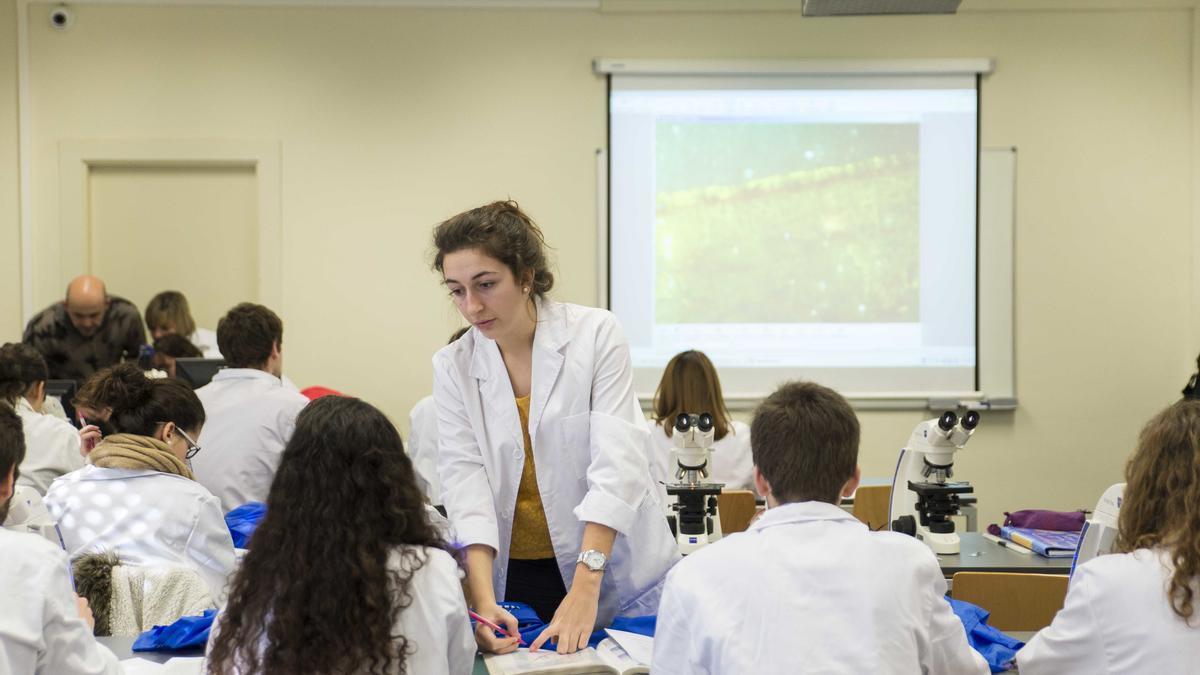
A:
816,227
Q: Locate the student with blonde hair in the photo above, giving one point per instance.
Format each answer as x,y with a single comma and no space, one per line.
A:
1138,611
690,385
168,313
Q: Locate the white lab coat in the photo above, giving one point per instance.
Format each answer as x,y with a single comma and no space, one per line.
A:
147,518
422,447
40,628
435,622
206,341
732,463
589,443
51,447
808,589
250,417
1117,619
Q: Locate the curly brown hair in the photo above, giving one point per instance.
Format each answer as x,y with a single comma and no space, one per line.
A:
501,230
1161,505
315,593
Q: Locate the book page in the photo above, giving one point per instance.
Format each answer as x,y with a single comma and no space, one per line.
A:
639,647
546,662
614,655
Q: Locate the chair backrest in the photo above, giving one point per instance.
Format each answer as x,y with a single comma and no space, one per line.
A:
871,505
1017,602
737,510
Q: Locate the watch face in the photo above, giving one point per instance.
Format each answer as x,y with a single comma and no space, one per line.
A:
594,560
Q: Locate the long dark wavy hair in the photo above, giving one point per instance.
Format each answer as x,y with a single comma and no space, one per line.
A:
1161,505
315,594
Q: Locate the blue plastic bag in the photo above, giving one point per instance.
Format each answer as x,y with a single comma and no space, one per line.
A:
531,625
243,520
186,633
998,649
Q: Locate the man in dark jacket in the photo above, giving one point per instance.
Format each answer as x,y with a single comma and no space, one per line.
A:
87,331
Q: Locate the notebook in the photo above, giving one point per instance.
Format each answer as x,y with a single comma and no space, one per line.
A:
1048,543
608,658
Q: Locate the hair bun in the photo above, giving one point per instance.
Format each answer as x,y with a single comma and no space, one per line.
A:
123,387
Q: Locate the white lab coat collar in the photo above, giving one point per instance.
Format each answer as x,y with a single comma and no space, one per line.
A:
24,406
550,336
246,374
795,513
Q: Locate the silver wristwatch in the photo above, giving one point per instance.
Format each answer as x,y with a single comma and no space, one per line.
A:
594,560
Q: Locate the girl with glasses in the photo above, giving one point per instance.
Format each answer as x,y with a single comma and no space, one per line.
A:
137,496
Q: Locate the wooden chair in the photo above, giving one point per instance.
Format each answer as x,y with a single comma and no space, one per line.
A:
871,505
737,510
1017,602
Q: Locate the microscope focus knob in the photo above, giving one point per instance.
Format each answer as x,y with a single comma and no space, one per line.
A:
947,420
905,525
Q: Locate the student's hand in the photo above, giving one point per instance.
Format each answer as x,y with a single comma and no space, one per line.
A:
575,619
486,638
89,436
85,612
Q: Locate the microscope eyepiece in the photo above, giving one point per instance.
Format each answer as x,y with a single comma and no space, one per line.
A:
682,423
970,420
705,423
948,420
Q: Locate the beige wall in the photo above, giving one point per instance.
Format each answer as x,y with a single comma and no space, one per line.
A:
10,216
390,120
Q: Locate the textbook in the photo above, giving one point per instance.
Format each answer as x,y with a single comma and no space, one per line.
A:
1048,543
608,658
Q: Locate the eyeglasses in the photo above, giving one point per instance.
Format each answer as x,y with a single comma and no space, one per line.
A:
192,448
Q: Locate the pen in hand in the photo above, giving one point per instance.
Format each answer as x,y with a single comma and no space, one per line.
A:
493,626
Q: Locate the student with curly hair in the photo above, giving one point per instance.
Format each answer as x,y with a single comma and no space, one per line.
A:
345,574
137,497
1137,610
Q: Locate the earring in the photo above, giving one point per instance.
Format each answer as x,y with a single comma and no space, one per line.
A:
526,290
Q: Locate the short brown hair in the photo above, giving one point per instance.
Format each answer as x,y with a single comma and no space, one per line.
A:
1161,504
246,334
501,231
690,385
21,366
804,440
170,308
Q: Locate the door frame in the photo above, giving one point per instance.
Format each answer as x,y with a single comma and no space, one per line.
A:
76,158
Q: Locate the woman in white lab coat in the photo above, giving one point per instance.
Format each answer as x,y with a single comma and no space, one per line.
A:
52,445
1136,611
690,385
348,553
137,496
168,313
542,443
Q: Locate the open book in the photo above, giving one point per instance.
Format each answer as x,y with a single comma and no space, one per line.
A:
609,657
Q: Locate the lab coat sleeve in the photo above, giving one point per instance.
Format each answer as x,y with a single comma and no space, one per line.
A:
466,491
947,651
70,648
210,548
419,453
1073,642
618,476
676,630
460,637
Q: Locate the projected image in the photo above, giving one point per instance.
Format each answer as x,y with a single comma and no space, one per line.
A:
786,223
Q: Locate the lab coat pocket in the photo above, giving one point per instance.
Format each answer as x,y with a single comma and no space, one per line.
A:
577,442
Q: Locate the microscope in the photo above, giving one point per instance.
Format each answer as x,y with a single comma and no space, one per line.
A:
695,522
923,497
1099,534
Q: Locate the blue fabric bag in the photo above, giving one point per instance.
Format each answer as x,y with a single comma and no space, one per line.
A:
243,520
998,649
186,633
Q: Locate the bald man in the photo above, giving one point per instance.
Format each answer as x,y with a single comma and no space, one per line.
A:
87,331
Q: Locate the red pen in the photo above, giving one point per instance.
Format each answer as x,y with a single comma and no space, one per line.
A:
493,626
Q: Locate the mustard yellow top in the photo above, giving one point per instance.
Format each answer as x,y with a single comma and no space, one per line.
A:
530,533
